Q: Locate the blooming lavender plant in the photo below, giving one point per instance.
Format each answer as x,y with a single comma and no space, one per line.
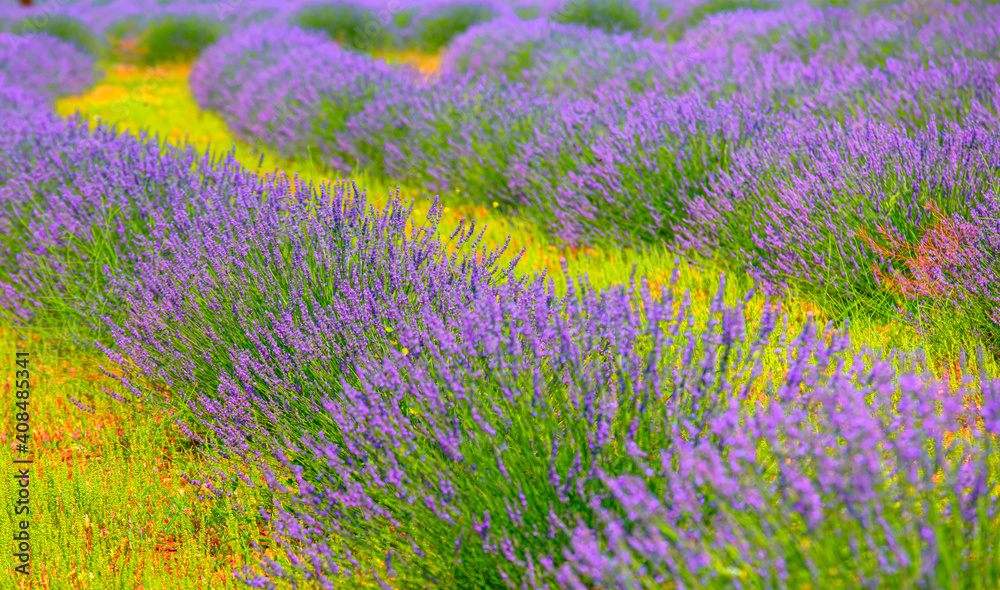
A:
528,440
294,93
346,278
77,202
610,16
800,209
760,29
685,15
220,73
938,29
901,501
435,26
42,64
557,58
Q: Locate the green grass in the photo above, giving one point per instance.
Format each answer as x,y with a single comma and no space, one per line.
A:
109,508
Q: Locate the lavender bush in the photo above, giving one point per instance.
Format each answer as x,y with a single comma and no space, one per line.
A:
689,14
557,58
783,30
902,30
299,93
77,203
608,168
435,29
903,501
348,23
45,65
220,73
528,440
342,278
800,209
630,179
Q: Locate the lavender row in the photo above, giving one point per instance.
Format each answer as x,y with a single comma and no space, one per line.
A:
574,129
514,437
510,89
607,439
603,439
367,25
815,175
43,66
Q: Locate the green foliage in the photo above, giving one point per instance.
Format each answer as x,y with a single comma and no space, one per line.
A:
347,24
436,30
611,16
70,30
528,12
675,30
662,10
866,7
124,28
110,476
178,39
404,18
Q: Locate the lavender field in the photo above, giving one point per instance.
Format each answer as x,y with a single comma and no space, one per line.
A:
583,294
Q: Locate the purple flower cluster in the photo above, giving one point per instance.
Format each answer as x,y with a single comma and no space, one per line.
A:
219,76
802,208
937,28
76,202
42,65
761,30
630,166
605,439
291,90
571,127
609,167
858,480
277,301
556,58
509,435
